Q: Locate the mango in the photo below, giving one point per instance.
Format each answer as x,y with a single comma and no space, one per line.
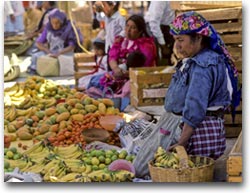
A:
90,108
77,117
63,117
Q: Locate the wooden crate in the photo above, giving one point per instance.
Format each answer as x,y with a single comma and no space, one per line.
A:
197,5
234,162
84,65
148,87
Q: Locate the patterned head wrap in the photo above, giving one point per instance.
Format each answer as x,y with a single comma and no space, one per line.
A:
66,31
192,22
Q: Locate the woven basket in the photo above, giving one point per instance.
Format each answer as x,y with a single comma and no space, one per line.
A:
203,173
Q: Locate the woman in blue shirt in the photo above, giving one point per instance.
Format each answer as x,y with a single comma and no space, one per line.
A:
198,94
200,90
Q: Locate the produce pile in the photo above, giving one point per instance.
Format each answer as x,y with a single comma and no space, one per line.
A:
55,113
53,118
68,164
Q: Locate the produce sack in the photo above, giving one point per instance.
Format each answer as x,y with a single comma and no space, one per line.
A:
165,133
66,65
47,66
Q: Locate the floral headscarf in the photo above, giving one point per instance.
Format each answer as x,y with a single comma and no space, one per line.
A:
192,22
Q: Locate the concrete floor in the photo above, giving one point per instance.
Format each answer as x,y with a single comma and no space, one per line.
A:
220,169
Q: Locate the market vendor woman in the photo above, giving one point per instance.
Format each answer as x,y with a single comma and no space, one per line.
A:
58,38
198,94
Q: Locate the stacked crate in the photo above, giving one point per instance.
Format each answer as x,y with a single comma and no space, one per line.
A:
226,17
84,65
148,85
234,162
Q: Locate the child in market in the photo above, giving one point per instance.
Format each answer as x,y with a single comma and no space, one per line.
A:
101,60
108,12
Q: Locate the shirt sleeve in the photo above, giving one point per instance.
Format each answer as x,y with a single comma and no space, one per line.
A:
43,37
114,51
156,13
197,97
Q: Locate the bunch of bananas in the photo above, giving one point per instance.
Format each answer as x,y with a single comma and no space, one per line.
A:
72,151
111,176
165,159
10,113
22,164
16,94
38,152
55,172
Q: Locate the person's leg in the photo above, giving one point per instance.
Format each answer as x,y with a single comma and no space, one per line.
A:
8,26
32,67
18,24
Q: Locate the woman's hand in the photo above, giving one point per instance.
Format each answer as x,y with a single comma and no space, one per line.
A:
54,55
118,72
187,132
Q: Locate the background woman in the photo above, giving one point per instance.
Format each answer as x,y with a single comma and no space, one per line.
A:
58,38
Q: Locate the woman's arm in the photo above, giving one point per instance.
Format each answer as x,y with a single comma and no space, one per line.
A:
69,48
187,132
42,47
115,68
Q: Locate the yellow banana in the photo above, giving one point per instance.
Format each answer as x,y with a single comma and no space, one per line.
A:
20,92
17,163
12,113
72,161
77,168
72,156
50,102
88,169
69,177
37,168
26,168
11,90
33,148
96,176
51,172
171,161
50,165
65,151
61,172
191,163
53,179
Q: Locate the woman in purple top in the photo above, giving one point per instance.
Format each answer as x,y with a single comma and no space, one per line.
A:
58,38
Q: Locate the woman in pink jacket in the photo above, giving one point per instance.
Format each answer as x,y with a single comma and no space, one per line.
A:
136,40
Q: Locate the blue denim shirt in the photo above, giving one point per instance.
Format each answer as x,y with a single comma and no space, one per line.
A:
201,84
